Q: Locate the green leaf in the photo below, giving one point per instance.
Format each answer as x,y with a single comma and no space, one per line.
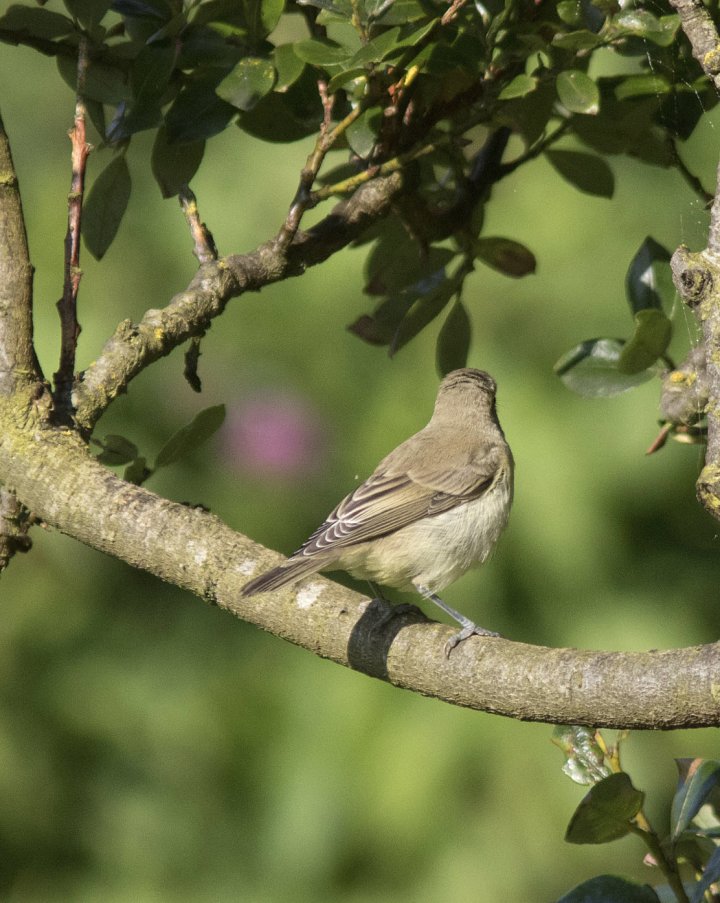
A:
453,342
652,335
39,23
648,282
189,437
363,133
578,93
518,87
137,472
606,811
398,13
697,778
586,172
322,53
248,83
591,369
117,450
641,85
104,83
376,50
288,66
609,889
506,256
197,113
422,313
570,12
150,73
340,79
270,12
173,165
577,40
645,25
105,206
295,113
87,12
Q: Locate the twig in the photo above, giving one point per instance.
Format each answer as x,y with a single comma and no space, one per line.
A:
204,249
67,305
303,198
451,14
14,526
702,34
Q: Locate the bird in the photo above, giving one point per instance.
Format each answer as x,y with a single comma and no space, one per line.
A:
432,509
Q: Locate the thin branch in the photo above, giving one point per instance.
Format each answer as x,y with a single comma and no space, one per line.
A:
67,305
60,482
133,347
204,244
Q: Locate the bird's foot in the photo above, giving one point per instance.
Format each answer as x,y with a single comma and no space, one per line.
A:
468,630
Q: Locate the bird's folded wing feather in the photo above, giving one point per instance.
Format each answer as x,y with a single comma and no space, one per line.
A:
388,501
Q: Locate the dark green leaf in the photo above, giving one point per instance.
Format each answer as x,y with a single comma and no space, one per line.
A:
117,450
422,313
578,93
104,83
288,65
248,83
609,889
363,133
697,778
397,263
270,12
640,85
135,9
197,113
570,12
105,206
587,172
453,342
606,811
189,437
652,335
174,165
648,282
322,53
40,23
150,73
377,49
506,256
518,87
400,12
529,115
288,116
137,472
591,369
87,12
340,79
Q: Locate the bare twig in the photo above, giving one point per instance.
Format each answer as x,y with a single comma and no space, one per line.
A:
204,249
67,305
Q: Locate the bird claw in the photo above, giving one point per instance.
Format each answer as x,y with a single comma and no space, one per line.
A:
465,634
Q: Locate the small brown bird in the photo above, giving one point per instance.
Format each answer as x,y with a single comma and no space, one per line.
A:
433,508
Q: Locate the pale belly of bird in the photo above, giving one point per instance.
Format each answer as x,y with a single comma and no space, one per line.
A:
435,551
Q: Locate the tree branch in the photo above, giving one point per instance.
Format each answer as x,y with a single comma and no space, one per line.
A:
53,474
701,32
134,347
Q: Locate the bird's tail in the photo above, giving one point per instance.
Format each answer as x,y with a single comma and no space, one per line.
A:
288,572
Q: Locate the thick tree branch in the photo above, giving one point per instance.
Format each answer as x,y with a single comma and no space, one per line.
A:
702,34
54,475
133,347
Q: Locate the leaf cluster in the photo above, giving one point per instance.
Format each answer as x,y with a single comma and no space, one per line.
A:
404,84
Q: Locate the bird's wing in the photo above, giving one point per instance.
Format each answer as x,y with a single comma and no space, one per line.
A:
388,501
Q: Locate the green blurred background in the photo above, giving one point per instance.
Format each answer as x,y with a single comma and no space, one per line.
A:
153,749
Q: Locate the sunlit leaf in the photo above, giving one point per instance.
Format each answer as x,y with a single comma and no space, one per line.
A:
322,53
578,93
288,66
518,87
251,79
648,342
639,85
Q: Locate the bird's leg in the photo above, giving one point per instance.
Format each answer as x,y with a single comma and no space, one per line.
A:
392,610
469,628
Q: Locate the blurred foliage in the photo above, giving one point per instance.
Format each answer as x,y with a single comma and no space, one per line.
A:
152,749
